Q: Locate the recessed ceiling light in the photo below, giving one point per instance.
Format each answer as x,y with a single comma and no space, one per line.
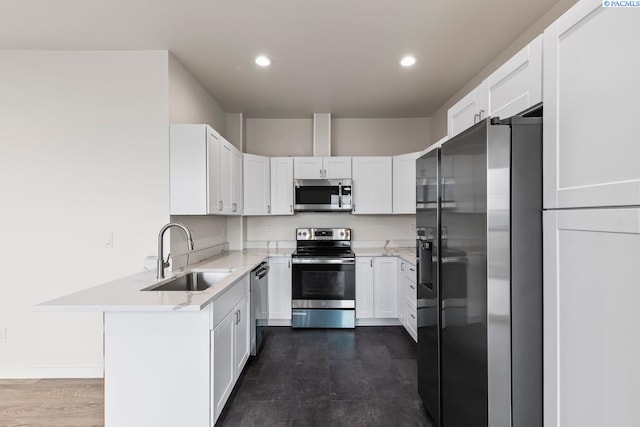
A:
263,61
408,61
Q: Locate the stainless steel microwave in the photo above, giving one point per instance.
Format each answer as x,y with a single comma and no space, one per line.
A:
322,195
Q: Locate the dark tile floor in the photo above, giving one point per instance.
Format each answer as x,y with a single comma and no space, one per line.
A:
330,377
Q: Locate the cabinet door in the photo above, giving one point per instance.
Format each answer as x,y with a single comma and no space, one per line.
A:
226,176
337,167
242,335
307,168
468,111
372,185
591,317
591,108
280,288
402,266
194,159
517,84
385,287
237,200
282,185
214,177
257,185
222,343
404,183
364,287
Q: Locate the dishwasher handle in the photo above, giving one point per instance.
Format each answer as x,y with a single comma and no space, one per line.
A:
262,270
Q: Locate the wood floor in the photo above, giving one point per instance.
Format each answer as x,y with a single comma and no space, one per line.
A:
52,402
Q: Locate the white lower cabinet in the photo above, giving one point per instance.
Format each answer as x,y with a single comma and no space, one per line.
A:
230,347
280,290
385,287
376,287
364,287
407,297
222,362
591,317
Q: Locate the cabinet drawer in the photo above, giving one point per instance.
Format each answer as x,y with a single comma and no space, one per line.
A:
228,300
411,322
411,293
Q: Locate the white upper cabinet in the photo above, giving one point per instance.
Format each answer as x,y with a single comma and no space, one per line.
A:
337,167
237,201
517,84
322,167
282,185
372,185
468,111
404,183
226,175
307,168
591,108
257,185
194,167
230,178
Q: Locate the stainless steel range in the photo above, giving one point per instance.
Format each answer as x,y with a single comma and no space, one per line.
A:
323,279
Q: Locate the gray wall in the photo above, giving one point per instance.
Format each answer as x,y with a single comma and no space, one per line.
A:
189,102
349,137
379,137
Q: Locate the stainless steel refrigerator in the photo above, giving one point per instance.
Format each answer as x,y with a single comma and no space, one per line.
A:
479,250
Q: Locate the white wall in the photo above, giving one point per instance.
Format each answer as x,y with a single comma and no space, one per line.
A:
83,154
365,228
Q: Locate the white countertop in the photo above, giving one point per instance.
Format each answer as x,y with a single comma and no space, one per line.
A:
125,294
408,254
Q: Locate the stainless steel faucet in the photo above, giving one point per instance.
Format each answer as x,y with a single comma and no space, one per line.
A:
161,262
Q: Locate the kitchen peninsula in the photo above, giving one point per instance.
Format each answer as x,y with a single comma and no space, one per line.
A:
176,354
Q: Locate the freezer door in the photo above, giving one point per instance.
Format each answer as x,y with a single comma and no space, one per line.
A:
427,244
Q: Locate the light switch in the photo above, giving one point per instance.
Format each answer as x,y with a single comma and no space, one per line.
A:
108,240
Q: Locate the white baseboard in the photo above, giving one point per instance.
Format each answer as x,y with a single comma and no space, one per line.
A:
378,322
34,372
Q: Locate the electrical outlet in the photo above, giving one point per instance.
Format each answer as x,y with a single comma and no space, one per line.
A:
3,334
269,229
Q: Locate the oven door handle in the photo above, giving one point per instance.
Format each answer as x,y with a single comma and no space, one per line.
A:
323,261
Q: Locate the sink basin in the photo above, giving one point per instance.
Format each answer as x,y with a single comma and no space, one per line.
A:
196,281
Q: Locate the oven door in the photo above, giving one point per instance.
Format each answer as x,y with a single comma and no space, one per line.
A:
323,282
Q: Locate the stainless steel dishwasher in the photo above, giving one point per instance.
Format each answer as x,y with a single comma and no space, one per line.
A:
259,306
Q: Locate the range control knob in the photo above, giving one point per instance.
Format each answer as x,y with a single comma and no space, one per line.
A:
342,233
304,233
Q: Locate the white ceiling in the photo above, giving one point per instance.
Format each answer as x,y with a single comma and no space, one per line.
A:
338,56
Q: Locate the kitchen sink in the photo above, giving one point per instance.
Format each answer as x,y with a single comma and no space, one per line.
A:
194,281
